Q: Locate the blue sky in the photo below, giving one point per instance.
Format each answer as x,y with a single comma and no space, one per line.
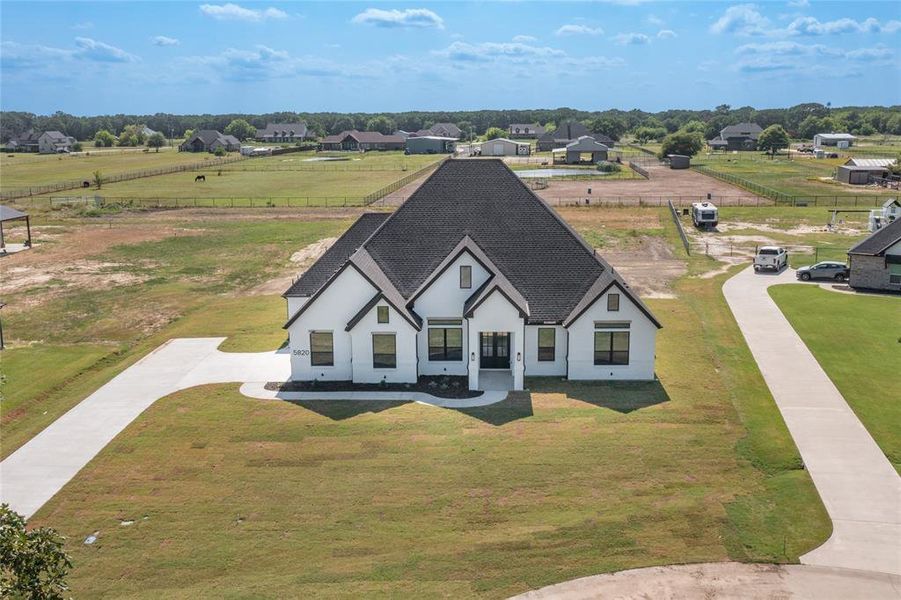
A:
215,57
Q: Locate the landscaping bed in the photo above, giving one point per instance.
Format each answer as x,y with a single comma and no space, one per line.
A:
440,386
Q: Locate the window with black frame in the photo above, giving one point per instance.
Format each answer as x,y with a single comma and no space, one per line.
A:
384,351
546,344
611,343
465,277
322,349
382,314
445,339
612,302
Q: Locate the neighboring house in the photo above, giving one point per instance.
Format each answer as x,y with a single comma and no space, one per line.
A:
565,133
208,140
841,140
875,263
147,132
430,144
445,130
27,141
525,130
502,147
880,217
283,132
357,141
402,133
584,145
742,136
475,276
860,175
55,142
870,162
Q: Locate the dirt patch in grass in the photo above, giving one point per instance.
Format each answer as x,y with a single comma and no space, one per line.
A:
300,262
650,268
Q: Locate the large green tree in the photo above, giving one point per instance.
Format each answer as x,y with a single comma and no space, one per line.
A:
33,564
772,139
495,132
241,129
156,140
104,139
681,142
380,123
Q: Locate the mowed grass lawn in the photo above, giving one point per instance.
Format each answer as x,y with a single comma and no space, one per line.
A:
797,177
857,341
24,170
234,497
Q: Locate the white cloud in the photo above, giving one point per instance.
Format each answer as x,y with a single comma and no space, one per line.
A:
742,19
578,30
785,48
813,26
410,18
879,53
488,51
524,39
89,49
799,3
162,40
261,63
665,34
804,58
655,21
234,12
631,39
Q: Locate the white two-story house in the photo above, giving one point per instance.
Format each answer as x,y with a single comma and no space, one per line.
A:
473,274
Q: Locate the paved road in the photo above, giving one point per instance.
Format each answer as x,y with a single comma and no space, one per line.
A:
727,580
35,472
859,487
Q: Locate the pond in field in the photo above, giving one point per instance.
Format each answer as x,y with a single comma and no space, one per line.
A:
558,172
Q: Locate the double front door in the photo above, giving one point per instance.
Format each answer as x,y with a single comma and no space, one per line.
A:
494,350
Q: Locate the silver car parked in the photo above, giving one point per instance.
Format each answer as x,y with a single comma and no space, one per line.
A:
828,269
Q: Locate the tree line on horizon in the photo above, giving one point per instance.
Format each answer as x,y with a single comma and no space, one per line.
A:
800,121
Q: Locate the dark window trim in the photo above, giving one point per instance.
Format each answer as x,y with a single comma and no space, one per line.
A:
609,356
613,301
466,284
443,350
322,359
547,353
388,361
379,311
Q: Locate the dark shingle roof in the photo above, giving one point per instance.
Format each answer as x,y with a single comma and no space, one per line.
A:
751,130
566,131
880,240
335,257
364,137
532,247
297,130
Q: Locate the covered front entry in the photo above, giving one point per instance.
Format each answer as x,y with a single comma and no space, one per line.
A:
494,350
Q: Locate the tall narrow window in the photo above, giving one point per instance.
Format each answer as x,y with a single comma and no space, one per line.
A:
465,277
382,314
384,351
322,349
546,343
611,343
612,302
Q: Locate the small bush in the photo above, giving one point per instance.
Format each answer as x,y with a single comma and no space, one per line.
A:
608,167
220,151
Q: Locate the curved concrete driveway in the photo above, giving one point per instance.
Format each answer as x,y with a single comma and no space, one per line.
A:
859,487
31,475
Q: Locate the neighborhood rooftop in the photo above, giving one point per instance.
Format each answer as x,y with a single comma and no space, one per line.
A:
879,241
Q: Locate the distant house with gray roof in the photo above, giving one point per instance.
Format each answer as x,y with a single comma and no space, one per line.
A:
525,131
209,140
564,134
27,141
55,142
283,133
741,136
354,141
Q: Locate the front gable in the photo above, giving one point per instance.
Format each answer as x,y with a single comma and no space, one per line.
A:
441,295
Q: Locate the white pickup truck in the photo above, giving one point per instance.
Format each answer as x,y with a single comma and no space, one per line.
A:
770,258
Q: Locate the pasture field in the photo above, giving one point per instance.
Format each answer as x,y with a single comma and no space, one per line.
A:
855,340
344,499
800,176
23,170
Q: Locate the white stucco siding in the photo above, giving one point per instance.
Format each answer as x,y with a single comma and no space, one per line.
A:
536,368
496,313
642,339
295,303
405,347
894,250
331,311
444,299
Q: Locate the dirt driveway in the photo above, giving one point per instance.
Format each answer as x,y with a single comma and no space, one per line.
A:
682,186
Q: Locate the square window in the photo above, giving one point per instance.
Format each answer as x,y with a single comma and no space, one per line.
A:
465,277
546,343
322,349
384,351
613,302
382,313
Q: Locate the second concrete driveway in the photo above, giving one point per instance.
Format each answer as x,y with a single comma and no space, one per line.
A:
859,487
31,475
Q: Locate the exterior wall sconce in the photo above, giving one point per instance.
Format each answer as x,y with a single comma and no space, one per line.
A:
472,357
519,357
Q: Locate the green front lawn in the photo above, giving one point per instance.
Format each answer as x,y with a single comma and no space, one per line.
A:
857,341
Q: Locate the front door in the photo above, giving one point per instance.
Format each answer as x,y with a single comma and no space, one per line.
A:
494,350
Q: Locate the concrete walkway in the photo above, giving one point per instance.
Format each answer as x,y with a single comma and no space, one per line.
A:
726,580
258,390
859,487
31,475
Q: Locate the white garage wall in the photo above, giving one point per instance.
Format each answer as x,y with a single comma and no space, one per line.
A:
643,335
444,299
331,311
405,346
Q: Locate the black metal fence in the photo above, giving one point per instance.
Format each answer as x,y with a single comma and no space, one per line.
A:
638,169
393,187
679,227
